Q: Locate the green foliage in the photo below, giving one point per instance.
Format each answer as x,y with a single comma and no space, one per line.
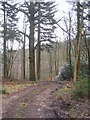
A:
3,91
62,91
65,72
83,69
81,88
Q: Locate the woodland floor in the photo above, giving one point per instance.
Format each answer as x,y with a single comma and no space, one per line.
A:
44,100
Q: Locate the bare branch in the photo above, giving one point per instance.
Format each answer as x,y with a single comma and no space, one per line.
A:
23,33
18,9
42,41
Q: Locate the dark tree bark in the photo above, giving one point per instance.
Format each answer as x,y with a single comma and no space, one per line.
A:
78,31
50,65
23,74
38,46
4,45
89,39
70,59
24,41
89,58
55,55
31,44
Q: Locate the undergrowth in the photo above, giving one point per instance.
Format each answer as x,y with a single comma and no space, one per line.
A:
3,91
81,88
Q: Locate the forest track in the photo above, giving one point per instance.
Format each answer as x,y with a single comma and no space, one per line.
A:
32,102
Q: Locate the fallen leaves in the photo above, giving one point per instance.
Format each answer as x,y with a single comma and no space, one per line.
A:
11,87
66,105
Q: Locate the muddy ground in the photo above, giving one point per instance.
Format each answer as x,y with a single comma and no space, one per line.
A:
40,102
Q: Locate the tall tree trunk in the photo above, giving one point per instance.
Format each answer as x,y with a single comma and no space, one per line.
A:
23,74
89,58
78,31
78,49
89,40
50,65
55,58
4,46
23,62
67,51
31,44
38,46
10,64
70,59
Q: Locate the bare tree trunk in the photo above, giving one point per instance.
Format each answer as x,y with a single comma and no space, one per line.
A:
67,55
23,74
89,58
24,41
31,44
89,39
50,65
55,58
4,45
38,46
78,49
10,64
70,59
78,31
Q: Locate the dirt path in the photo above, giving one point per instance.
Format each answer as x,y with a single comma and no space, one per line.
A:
32,102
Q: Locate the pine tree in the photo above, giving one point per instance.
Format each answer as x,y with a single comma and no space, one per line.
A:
46,12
